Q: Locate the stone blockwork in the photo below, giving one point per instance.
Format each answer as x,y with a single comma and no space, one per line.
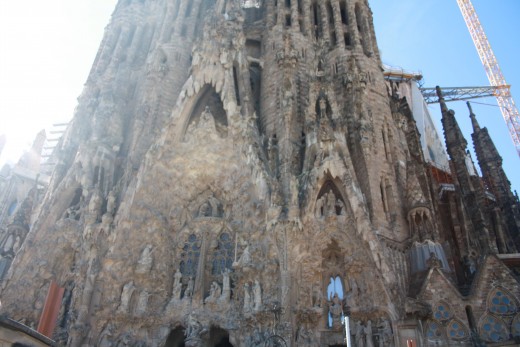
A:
238,173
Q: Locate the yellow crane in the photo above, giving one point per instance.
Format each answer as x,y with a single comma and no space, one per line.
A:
494,73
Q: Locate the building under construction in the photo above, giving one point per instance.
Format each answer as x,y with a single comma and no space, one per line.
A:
241,173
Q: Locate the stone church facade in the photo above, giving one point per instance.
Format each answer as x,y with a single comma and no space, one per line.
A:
239,173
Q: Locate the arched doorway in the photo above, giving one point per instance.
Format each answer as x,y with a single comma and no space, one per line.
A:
219,338
176,338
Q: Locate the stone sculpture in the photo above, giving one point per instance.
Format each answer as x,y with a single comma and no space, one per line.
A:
126,295
188,293
177,285
368,334
386,334
248,305
214,293
226,287
359,335
144,265
142,302
257,294
335,310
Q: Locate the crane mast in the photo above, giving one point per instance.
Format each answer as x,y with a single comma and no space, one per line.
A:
494,73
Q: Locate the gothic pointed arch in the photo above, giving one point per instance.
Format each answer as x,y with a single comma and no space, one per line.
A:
330,201
175,338
206,111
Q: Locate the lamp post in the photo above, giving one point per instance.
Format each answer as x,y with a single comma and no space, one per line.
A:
347,326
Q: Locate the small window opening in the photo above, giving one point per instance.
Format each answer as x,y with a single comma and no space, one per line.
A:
346,37
288,3
343,12
315,20
383,197
330,13
288,21
235,79
333,38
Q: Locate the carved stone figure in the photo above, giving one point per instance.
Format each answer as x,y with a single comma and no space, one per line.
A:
335,310
226,287
94,206
386,334
194,331
111,203
214,203
144,265
188,293
206,120
245,258
177,285
368,334
214,293
359,335
126,295
248,306
142,302
205,210
317,295
257,294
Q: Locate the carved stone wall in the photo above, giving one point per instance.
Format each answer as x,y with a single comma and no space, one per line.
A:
237,173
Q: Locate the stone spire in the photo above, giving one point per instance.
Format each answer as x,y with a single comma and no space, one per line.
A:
490,163
474,122
472,193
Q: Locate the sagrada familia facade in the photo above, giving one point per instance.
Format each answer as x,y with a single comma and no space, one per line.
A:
240,173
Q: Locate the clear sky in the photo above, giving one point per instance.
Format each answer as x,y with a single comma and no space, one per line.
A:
47,49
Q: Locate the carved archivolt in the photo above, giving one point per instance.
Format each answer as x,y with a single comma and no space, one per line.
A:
329,202
420,223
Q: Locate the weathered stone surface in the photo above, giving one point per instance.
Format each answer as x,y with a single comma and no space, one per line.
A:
243,175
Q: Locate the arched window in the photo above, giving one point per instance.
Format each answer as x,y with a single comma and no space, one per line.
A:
190,256
223,254
12,208
335,288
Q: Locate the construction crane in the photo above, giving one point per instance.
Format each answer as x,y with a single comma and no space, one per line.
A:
494,73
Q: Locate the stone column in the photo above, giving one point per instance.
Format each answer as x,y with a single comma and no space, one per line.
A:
325,33
306,18
338,26
295,15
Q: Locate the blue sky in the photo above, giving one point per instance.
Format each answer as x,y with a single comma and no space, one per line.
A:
430,36
48,48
